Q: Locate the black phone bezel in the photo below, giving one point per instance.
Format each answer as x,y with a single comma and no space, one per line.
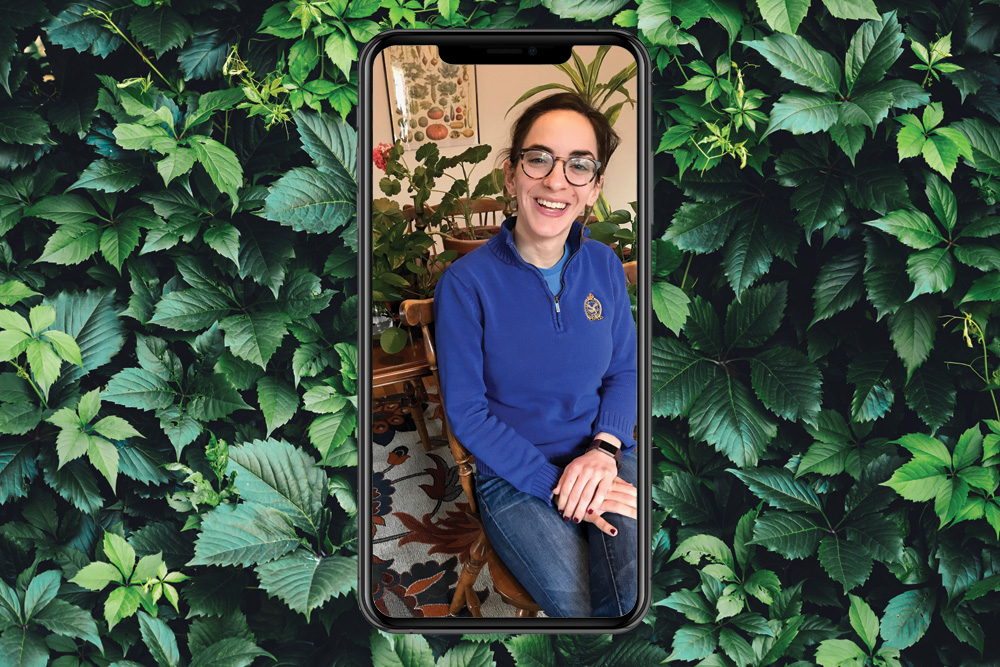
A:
549,44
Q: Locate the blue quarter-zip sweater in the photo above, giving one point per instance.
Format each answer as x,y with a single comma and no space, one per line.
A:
528,377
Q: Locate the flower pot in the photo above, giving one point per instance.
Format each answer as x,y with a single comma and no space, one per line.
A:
463,246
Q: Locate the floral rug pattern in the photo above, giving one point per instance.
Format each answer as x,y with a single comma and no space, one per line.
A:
420,530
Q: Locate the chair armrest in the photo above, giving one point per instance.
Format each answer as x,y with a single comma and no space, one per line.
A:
417,311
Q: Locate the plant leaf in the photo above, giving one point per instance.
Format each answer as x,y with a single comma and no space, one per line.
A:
246,534
160,640
838,286
277,475
679,376
726,416
304,581
779,488
787,383
874,48
783,15
846,562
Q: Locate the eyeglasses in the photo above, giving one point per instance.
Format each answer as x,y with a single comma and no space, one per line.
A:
578,170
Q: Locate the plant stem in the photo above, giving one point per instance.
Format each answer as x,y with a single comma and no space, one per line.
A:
114,28
686,269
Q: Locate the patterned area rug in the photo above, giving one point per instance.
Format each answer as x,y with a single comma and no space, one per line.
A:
421,532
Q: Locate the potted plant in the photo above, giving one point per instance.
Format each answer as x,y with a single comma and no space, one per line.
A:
459,200
402,268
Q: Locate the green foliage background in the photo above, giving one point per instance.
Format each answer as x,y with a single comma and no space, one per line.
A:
177,270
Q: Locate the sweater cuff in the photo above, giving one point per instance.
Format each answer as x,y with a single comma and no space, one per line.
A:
545,480
617,424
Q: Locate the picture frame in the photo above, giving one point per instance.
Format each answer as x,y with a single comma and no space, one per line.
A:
430,101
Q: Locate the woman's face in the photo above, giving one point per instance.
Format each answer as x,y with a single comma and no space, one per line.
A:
547,207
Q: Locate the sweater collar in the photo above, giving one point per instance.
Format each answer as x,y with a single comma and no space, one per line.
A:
502,244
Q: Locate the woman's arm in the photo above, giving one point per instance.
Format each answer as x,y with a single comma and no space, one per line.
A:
459,335
587,480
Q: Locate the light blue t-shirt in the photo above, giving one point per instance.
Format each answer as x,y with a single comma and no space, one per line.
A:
553,274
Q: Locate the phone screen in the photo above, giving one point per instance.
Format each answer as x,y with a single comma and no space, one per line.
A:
503,323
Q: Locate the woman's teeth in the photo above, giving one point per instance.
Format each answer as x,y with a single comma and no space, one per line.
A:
558,206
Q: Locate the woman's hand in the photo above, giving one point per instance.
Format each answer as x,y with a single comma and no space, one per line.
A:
622,499
584,484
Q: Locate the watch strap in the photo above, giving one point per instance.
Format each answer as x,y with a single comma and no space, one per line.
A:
607,448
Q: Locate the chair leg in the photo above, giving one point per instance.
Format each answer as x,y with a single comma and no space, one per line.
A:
525,613
465,595
416,396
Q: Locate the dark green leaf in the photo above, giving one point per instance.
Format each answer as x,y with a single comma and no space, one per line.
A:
787,383
309,200
791,535
784,15
803,113
679,376
704,227
912,330
874,48
229,652
753,320
21,648
726,416
702,329
839,285
779,488
684,497
304,581
275,474
907,617
17,468
693,642
931,271
931,393
161,29
847,563
108,176
68,620
160,640
873,394
245,535
205,55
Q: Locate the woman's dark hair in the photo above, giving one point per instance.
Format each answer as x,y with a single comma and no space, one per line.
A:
607,138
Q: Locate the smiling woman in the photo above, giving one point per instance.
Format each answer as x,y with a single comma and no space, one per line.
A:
552,437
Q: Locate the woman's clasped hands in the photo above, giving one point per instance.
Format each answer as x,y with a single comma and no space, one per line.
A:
590,487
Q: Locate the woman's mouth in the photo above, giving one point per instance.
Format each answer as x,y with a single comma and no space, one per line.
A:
550,207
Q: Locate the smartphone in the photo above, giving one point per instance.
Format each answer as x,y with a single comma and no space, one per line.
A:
504,331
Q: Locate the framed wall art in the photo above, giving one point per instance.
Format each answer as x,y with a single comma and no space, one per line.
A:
430,100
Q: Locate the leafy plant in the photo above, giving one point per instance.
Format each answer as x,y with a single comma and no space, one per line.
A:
961,482
32,606
835,652
139,583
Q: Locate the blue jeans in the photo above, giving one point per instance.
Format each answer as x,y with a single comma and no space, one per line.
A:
552,558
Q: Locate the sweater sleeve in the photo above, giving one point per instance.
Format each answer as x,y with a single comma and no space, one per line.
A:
617,412
459,335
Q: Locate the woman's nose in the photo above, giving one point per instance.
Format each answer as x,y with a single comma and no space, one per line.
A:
556,178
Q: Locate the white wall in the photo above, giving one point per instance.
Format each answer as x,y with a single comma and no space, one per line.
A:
498,86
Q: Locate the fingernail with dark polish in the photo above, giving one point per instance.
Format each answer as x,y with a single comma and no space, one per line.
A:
575,520
614,531
590,511
565,518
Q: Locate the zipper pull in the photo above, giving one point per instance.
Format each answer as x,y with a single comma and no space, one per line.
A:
557,303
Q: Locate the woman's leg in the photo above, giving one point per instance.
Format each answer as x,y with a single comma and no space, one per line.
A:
546,554
613,560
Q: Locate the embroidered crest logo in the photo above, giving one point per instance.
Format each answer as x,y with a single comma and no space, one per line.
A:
593,308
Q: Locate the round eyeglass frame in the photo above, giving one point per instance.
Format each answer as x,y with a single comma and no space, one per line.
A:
520,157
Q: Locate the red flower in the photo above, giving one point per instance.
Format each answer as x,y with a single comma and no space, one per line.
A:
380,154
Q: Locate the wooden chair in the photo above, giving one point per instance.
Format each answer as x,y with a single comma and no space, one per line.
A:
484,212
421,313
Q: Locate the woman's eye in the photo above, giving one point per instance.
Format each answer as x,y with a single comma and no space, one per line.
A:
537,160
580,166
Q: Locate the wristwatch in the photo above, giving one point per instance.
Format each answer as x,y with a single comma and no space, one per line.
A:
607,448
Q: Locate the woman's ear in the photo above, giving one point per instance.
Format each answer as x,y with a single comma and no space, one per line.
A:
508,177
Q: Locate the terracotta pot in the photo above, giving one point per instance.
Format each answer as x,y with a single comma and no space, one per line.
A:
464,246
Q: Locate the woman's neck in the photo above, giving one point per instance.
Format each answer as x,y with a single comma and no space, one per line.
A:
543,253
